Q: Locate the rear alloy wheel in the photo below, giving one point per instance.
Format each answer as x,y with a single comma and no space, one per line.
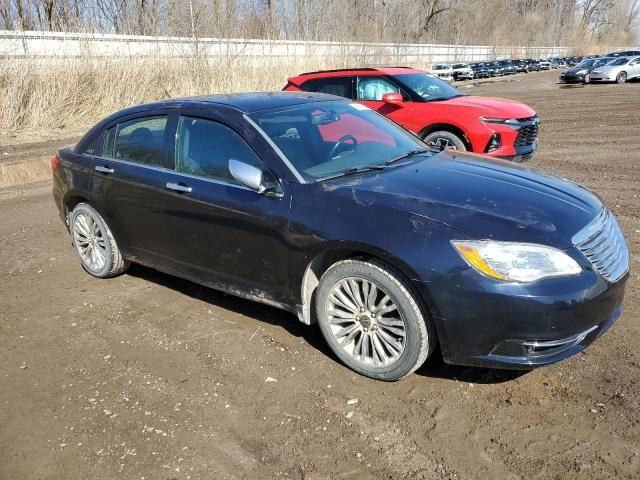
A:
372,321
99,254
621,78
444,140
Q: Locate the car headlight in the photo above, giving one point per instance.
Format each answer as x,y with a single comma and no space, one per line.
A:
508,121
516,262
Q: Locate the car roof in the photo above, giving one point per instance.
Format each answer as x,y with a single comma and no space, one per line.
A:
248,102
341,72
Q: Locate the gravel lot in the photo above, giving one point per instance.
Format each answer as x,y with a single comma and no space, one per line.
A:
149,377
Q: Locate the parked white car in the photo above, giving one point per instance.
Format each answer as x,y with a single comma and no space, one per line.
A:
461,71
442,70
544,65
618,70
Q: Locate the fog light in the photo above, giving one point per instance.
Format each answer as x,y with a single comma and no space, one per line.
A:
494,144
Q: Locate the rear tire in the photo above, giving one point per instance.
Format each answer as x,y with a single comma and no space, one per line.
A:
94,243
445,140
621,78
372,319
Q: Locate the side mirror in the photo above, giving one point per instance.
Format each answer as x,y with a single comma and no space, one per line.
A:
392,98
252,177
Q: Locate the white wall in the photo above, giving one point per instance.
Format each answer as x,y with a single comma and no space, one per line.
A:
54,44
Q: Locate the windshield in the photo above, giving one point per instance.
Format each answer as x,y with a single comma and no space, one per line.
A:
619,61
459,65
326,138
441,67
586,63
428,87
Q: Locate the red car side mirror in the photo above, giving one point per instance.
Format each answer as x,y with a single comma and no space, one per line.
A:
392,98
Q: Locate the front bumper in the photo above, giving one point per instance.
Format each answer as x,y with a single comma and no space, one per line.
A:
519,141
573,78
603,77
482,322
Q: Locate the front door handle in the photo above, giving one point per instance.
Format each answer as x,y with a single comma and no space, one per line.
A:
106,170
178,187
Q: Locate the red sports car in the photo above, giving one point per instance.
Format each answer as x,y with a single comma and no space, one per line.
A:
431,108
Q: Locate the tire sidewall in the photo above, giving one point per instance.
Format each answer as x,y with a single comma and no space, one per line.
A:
452,137
90,211
409,308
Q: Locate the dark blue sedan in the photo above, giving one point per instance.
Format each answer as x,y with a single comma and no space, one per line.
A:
324,208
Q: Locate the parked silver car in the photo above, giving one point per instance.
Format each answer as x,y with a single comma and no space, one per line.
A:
619,70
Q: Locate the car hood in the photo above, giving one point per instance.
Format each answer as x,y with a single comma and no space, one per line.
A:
482,197
493,107
574,70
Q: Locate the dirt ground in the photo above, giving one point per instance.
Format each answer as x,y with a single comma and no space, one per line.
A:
149,377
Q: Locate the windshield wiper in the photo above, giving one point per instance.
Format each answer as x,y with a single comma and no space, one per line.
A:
409,154
351,171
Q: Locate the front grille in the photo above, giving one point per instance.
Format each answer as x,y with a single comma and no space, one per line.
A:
527,135
603,244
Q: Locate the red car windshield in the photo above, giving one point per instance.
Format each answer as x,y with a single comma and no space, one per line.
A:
428,87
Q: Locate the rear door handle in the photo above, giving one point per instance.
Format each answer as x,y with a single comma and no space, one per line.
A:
106,170
178,187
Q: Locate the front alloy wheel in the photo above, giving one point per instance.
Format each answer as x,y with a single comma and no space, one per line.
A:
372,319
587,78
621,78
366,322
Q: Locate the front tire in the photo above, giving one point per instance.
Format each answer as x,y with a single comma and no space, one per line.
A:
587,78
621,78
444,140
372,320
94,243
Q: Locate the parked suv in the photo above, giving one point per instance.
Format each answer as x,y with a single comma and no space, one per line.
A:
461,71
434,110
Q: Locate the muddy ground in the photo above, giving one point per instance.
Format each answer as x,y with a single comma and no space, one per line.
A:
149,377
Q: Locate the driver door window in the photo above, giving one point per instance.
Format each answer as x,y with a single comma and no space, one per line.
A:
204,148
373,88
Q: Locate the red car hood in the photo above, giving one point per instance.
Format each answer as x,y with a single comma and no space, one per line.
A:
492,107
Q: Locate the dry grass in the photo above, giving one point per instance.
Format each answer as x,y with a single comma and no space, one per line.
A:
70,93
23,173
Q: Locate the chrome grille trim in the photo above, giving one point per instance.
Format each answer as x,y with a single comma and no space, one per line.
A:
602,242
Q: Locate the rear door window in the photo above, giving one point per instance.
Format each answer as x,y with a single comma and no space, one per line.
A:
141,140
340,86
205,147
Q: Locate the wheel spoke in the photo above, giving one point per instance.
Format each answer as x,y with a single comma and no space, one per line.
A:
349,338
379,349
346,330
371,298
391,322
342,295
355,292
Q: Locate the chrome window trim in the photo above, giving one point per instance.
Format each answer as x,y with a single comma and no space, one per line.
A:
272,144
173,171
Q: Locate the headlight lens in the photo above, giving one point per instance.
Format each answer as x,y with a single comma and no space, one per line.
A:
516,262
508,121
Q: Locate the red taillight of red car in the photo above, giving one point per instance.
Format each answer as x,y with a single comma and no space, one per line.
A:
55,163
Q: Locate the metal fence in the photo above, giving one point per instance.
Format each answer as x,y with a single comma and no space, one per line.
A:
53,44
